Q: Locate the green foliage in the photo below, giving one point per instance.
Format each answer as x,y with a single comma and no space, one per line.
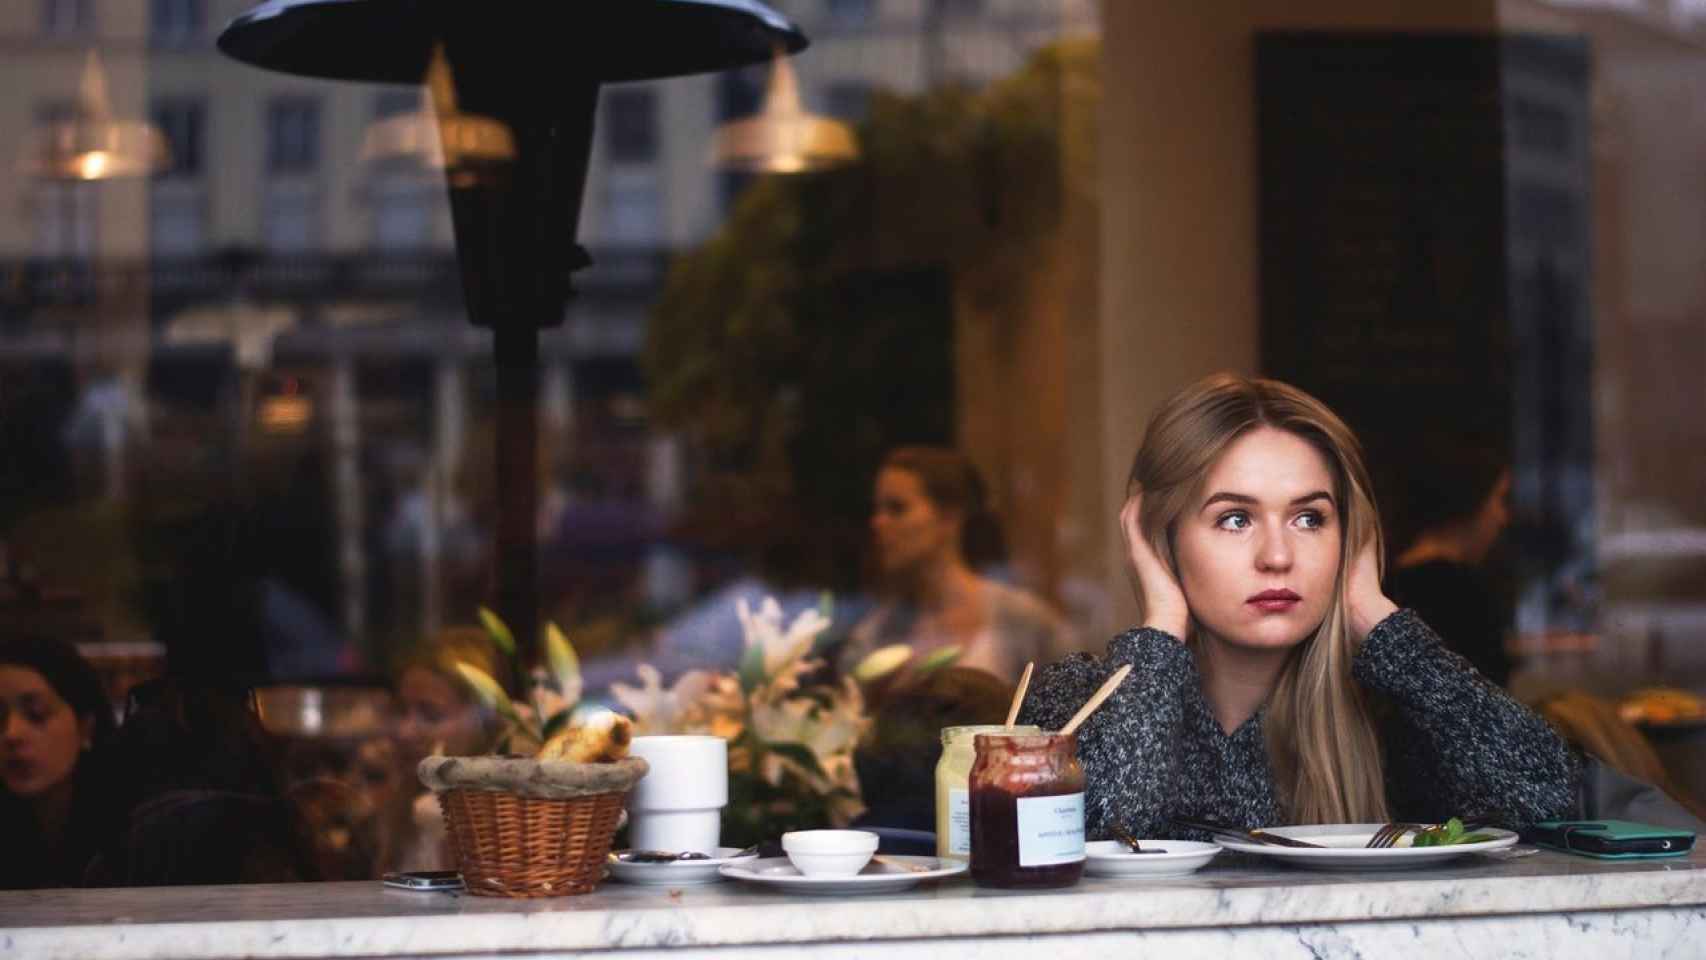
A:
814,330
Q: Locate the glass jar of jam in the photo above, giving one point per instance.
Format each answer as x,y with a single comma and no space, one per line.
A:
953,784
1027,811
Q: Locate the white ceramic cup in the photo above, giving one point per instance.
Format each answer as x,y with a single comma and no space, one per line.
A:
678,805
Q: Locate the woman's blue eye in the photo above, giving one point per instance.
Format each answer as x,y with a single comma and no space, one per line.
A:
1312,520
1235,520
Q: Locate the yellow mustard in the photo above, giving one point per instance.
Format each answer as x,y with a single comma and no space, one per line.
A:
953,775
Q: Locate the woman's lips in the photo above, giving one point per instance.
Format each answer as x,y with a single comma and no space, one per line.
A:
1274,601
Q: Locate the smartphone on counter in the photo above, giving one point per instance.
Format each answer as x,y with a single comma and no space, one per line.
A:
424,880
1611,839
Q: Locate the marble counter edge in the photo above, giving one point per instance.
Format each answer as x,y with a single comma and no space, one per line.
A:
762,918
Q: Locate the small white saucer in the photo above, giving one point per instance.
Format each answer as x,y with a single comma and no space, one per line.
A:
879,876
1111,858
675,873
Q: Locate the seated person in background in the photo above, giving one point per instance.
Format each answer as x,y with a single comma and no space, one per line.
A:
928,515
1638,788
437,713
1460,505
1266,643
58,806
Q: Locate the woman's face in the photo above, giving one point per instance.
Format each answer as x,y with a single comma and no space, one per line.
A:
908,527
1258,552
435,716
40,735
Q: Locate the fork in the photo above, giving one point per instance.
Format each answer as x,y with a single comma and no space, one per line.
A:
1388,835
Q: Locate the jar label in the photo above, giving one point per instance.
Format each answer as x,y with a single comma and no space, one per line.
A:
1051,830
959,822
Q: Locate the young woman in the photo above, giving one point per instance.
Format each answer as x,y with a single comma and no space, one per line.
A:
926,521
1274,682
58,804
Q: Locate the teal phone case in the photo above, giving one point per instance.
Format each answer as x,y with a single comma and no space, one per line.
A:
1612,839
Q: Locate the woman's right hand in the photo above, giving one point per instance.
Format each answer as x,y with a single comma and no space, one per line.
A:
1158,591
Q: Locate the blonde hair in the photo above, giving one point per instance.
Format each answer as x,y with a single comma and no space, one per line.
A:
453,645
1321,738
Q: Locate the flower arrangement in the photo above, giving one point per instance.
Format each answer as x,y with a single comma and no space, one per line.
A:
552,705
791,734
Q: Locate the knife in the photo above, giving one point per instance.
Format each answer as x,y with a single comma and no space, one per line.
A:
1254,836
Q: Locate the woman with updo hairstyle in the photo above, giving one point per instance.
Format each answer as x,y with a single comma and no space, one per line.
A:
930,525
59,804
1274,682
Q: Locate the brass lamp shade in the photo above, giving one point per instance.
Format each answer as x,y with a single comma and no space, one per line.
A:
91,144
439,136
782,137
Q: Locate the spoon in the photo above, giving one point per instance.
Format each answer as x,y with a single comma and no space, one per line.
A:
1124,836
660,856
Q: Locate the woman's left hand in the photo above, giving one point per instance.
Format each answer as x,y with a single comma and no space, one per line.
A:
1364,600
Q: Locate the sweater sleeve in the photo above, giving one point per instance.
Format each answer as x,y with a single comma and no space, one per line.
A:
1458,745
1128,746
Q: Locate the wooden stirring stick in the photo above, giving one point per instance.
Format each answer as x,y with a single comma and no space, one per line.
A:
1019,695
1090,706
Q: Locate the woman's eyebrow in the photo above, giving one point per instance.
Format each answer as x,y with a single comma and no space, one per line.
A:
1244,499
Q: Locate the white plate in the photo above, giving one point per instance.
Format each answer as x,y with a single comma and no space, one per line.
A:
875,878
675,873
1346,848
1111,858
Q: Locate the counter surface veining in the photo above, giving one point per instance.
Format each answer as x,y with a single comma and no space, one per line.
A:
368,920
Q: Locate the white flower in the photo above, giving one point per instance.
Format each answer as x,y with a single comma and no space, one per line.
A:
699,702
781,647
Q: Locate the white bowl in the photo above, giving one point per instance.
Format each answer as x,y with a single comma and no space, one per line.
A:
829,853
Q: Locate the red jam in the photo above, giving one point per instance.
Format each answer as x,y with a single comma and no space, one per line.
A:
1027,811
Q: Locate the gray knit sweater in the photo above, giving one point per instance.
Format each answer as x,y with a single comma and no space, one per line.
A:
1453,743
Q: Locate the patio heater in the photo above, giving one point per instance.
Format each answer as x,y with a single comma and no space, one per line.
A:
535,67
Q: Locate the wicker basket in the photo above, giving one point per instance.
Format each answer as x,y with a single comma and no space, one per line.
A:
511,842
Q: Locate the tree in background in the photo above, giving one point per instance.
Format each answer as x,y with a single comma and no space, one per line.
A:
828,319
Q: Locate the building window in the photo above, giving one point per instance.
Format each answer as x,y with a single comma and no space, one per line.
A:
67,18
177,218
181,121
633,210
403,209
631,125
177,21
291,220
63,212
390,103
293,135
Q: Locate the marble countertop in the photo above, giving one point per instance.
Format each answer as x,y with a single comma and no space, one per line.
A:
369,920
